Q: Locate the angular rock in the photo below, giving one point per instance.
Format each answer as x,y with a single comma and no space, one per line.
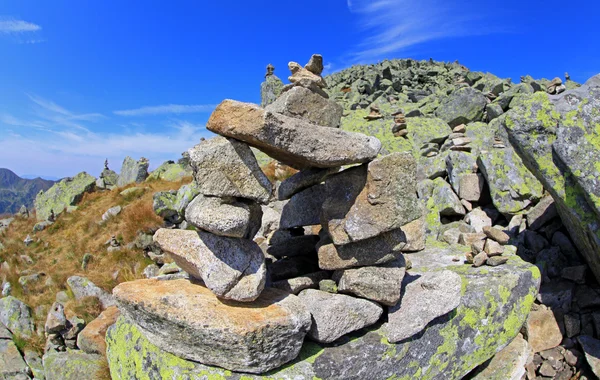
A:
462,106
315,64
225,216
369,200
303,103
301,75
298,284
445,201
304,208
187,320
270,89
496,234
111,213
493,248
495,261
470,187
16,316
12,364
231,268
56,320
541,213
133,171
92,338
67,192
335,315
227,168
458,164
591,348
171,171
508,364
542,330
423,130
72,364
380,284
295,142
425,297
303,180
448,349
480,259
81,287
478,219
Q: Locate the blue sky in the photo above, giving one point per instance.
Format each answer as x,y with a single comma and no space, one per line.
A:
82,81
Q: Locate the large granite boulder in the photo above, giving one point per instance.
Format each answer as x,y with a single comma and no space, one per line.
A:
558,139
133,171
227,168
231,268
16,316
303,103
186,319
293,141
67,192
170,171
366,201
449,348
12,365
462,106
72,365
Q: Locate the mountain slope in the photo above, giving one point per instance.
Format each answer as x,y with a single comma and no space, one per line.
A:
16,191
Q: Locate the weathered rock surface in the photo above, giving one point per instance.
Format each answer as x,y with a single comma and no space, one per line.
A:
133,171
304,208
366,201
292,141
67,192
227,168
225,216
335,315
382,283
92,338
424,298
542,329
170,171
556,138
508,364
303,103
16,316
72,364
12,364
449,348
82,287
303,180
462,106
187,320
298,284
231,268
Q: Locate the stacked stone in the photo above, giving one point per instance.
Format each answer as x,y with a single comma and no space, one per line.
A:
400,127
555,86
458,140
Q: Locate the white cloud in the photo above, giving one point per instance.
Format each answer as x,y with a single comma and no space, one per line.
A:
166,109
395,25
12,26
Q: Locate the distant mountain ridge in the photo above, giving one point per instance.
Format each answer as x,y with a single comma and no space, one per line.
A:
16,191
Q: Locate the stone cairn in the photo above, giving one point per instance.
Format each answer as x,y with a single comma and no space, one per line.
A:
247,310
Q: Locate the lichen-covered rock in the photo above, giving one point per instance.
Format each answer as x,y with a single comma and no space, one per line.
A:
67,192
292,141
303,103
462,106
270,89
133,171
12,364
227,168
512,186
81,287
16,316
445,200
366,201
231,268
508,364
422,130
449,348
187,320
72,365
556,136
170,171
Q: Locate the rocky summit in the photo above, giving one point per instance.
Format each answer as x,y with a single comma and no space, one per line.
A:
402,220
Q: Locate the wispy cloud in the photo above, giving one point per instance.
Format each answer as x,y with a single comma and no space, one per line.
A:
176,109
395,25
13,26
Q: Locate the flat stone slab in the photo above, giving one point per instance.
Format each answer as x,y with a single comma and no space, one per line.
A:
295,142
449,348
187,320
231,268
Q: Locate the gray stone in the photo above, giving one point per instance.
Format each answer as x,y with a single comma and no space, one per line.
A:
496,234
447,349
225,216
231,268
56,320
335,315
304,208
303,180
446,202
496,261
480,259
16,316
81,287
425,297
541,213
508,364
72,364
4,333
478,219
12,364
292,141
187,320
133,171
270,89
462,106
471,187
67,192
328,285
34,362
382,284
457,164
111,213
303,103
576,274
298,284
591,348
366,201
227,168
